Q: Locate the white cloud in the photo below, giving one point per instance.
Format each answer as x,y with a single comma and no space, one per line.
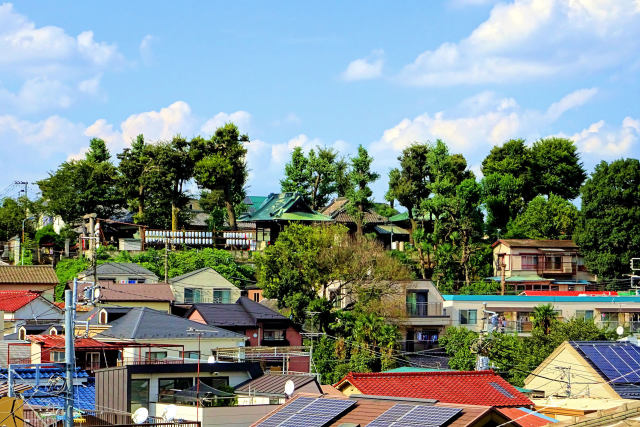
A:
602,141
145,48
528,39
44,137
160,125
365,68
482,121
52,67
239,118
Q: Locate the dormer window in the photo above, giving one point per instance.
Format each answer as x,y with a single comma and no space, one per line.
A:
103,318
22,334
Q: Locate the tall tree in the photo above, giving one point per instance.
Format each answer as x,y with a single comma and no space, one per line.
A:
221,167
296,173
557,168
545,218
609,235
133,167
359,195
12,212
84,186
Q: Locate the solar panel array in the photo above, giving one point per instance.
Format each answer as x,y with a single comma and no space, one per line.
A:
415,415
308,411
620,363
502,390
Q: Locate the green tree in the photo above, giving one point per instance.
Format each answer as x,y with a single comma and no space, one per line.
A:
221,167
545,218
359,194
458,343
296,173
544,316
609,235
79,187
12,212
557,168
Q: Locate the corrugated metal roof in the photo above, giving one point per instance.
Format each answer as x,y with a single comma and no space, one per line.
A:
120,268
535,243
273,384
28,274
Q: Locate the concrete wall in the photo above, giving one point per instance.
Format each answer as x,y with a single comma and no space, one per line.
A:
232,416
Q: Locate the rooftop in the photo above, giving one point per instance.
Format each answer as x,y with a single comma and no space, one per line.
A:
524,298
11,301
113,292
145,323
28,274
337,210
273,384
465,387
286,207
244,312
535,243
58,341
569,293
119,268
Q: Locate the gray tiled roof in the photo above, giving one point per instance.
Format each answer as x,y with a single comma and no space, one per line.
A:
145,323
120,268
273,384
244,312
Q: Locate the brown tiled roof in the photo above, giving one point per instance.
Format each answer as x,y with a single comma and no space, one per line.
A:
28,274
337,210
112,292
535,243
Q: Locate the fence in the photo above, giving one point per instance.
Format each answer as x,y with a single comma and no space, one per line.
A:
46,417
424,309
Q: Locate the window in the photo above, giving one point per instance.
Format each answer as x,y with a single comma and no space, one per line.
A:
468,317
215,382
139,394
53,331
22,334
256,296
553,263
56,356
529,262
190,355
584,314
93,361
221,296
192,295
134,280
273,335
157,355
103,318
167,388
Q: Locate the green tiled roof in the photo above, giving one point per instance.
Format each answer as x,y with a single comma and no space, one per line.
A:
404,216
388,229
287,207
532,278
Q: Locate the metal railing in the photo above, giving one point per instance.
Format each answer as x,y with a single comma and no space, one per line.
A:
424,309
46,417
632,326
142,361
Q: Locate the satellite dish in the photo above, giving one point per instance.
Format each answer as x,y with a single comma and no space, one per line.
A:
211,359
169,413
96,293
140,416
620,330
289,387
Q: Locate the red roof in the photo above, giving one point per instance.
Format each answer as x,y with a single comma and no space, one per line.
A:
58,341
14,300
570,293
524,418
466,387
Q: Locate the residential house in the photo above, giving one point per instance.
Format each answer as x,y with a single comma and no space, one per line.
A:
127,388
530,264
606,369
90,354
337,211
204,285
157,296
474,311
262,326
424,316
22,307
276,212
489,388
626,414
37,278
269,388
361,410
120,272
158,336
254,293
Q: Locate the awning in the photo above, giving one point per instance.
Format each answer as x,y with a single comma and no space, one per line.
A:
391,229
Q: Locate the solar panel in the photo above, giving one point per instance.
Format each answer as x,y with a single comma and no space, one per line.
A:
502,390
415,415
308,411
619,363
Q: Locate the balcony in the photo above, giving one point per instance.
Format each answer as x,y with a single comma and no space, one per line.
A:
425,309
274,342
632,326
142,361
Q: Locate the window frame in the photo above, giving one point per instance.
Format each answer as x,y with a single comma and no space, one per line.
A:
465,319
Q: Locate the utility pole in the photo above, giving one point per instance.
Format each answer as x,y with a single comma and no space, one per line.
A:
69,354
199,333
566,373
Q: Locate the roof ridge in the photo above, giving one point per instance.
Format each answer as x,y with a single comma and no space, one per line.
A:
423,373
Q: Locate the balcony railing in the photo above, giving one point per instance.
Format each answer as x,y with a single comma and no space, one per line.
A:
273,342
142,361
424,309
632,326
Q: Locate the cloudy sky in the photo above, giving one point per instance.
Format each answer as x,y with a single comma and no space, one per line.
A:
383,74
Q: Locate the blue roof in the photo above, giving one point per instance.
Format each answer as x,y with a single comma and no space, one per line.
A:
617,362
525,298
45,373
84,396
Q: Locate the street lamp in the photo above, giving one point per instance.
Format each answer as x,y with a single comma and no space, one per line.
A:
22,245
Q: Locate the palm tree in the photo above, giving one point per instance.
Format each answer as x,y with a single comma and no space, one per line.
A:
543,317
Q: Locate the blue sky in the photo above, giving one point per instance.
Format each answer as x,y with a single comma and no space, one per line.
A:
471,72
